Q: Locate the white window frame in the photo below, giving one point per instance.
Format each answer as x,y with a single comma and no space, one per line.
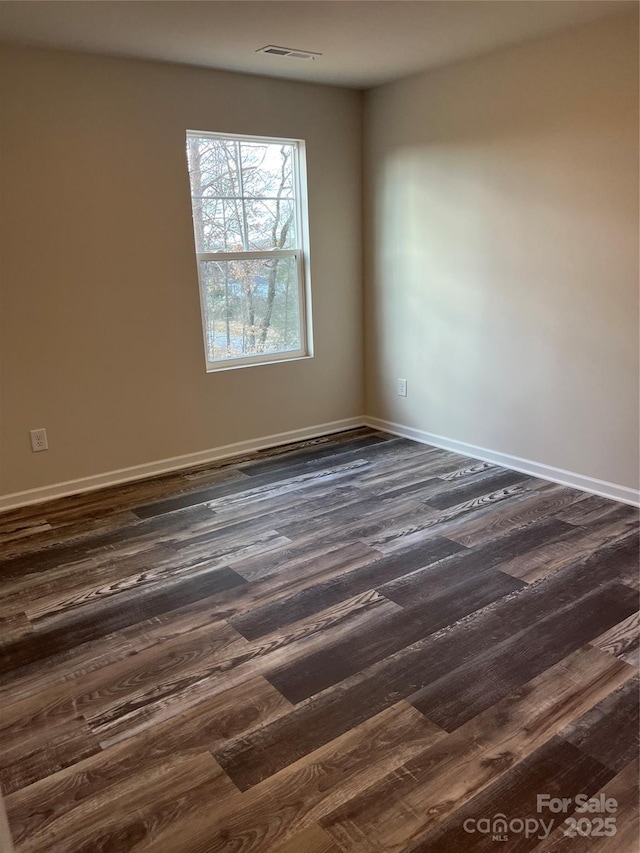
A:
301,254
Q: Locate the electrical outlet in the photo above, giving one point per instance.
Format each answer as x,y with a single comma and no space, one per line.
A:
402,387
39,440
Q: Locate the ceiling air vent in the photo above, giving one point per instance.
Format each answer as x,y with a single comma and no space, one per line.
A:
274,50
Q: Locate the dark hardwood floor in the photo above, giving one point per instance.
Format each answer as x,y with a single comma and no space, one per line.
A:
356,643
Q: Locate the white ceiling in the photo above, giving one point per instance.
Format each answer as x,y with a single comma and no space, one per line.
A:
363,43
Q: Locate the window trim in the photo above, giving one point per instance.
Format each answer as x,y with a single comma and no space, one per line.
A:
301,254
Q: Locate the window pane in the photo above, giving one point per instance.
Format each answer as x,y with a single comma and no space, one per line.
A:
267,169
251,307
218,225
242,194
214,167
270,224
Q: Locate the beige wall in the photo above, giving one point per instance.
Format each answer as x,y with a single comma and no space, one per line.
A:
101,331
502,251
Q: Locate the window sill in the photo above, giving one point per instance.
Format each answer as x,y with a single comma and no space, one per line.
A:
258,362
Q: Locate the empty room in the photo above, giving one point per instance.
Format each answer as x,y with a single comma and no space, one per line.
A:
319,426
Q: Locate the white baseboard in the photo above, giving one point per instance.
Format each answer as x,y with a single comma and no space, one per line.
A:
536,469
164,466
612,491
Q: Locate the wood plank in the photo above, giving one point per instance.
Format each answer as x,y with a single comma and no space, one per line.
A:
176,654
364,645
547,502
304,792
14,628
12,532
269,617
431,482
37,811
409,588
624,789
401,534
484,680
302,472
318,456
304,559
42,751
68,666
552,556
407,468
101,503
609,732
592,508
557,769
161,567
73,531
369,513
332,712
311,840
127,539
580,547
282,450
158,670
6,842
236,664
499,480
431,787
622,640
271,507
102,619
138,811
469,470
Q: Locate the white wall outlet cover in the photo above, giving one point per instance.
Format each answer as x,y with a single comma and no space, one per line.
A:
402,387
38,440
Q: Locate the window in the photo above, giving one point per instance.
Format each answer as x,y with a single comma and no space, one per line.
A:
249,228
